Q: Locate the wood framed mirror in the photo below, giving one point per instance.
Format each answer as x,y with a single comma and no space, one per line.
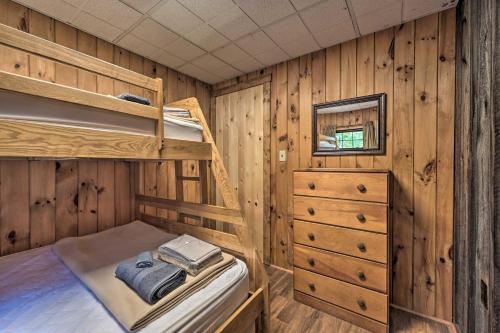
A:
354,126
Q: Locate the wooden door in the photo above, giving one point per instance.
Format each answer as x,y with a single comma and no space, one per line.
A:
242,134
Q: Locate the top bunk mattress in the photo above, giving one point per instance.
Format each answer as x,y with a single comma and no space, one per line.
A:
38,293
33,108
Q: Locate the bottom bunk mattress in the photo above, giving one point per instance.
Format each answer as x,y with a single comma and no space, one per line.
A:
38,293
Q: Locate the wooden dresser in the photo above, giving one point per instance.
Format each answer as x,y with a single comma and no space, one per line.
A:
342,244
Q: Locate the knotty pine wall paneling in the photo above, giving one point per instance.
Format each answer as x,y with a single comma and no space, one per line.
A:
43,201
414,64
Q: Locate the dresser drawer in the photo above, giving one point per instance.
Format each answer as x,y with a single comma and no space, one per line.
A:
342,185
361,272
360,300
362,244
351,214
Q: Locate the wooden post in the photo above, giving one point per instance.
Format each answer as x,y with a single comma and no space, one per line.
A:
475,212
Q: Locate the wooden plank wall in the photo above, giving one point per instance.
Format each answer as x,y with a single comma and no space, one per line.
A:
414,64
43,201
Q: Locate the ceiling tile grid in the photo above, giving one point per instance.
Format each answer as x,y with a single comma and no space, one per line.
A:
213,40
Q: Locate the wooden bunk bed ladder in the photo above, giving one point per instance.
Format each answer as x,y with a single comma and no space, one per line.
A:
256,308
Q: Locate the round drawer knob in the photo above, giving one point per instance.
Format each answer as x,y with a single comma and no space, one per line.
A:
311,236
362,247
361,276
361,218
310,210
311,185
361,188
361,303
311,261
312,287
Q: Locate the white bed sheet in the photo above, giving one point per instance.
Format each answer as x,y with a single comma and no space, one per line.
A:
38,293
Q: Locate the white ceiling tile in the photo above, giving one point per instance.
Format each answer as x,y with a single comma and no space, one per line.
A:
232,54
300,46
167,59
199,73
113,12
380,19
248,65
216,66
272,57
362,7
141,5
184,49
264,12
58,9
233,23
207,9
75,3
96,27
207,38
208,62
335,35
326,15
287,30
256,43
227,72
176,17
154,33
301,4
137,45
413,9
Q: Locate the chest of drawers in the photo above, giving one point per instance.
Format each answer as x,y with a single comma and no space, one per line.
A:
342,244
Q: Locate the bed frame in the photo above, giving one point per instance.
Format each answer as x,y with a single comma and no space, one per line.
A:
21,138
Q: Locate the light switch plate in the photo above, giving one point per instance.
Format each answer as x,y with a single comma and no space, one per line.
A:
282,155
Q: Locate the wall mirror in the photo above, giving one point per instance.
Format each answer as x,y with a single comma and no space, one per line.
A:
350,126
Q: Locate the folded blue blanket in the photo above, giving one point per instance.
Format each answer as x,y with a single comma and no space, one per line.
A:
134,98
151,283
144,259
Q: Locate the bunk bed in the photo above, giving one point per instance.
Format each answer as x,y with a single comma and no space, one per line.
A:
45,120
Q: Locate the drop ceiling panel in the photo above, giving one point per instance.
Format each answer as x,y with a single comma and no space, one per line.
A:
176,17
326,15
301,4
287,30
202,74
96,26
247,65
335,35
207,38
381,18
141,5
207,10
107,11
264,12
137,45
231,54
167,59
233,23
300,46
213,40
256,43
413,9
154,33
208,61
184,49
272,57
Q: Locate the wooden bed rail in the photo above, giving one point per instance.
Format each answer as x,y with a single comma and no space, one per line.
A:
222,214
35,45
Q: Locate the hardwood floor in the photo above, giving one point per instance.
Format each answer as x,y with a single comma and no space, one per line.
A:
288,316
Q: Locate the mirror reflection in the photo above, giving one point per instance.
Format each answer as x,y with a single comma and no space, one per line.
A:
349,126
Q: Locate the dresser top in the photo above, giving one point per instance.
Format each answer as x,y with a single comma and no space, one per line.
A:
342,170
